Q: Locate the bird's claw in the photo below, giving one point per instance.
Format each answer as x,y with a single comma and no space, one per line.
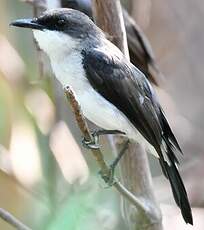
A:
94,143
91,144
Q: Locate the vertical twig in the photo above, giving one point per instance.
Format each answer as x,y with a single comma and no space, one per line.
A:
12,220
135,171
141,11
105,16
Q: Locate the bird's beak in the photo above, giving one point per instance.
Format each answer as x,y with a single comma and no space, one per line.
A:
27,23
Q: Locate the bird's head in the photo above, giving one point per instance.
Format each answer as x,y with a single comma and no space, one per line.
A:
60,29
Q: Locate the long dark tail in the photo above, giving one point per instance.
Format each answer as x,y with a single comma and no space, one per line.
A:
178,190
169,168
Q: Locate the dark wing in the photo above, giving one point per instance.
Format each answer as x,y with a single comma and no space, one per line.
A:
122,84
126,87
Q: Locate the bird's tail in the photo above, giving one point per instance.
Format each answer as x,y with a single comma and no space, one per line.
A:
179,192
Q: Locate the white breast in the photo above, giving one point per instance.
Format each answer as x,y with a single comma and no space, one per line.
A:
69,71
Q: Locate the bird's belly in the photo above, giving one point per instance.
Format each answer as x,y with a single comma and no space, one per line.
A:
93,105
101,112
105,115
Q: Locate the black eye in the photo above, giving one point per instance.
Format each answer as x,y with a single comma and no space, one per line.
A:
61,22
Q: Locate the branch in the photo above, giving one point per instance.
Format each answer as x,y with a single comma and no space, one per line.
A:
141,11
102,12
104,169
12,220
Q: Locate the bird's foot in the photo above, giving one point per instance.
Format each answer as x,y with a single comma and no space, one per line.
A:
94,143
91,144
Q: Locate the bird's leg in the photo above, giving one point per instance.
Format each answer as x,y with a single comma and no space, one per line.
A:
115,162
109,179
94,143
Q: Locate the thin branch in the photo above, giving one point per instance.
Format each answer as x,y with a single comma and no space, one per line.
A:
12,220
85,131
104,169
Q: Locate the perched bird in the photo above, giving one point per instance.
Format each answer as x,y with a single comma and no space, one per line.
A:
111,91
140,50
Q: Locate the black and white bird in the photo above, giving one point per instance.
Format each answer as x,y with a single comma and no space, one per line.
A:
112,92
141,53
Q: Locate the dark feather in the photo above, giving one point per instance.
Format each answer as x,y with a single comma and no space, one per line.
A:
168,135
179,192
122,84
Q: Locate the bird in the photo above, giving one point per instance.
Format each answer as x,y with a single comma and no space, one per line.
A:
111,91
140,50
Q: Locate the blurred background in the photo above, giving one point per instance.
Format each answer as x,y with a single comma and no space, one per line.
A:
49,181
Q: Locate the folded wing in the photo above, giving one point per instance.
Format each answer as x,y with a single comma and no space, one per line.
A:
122,84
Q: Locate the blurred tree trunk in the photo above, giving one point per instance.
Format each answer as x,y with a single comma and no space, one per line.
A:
141,12
135,171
